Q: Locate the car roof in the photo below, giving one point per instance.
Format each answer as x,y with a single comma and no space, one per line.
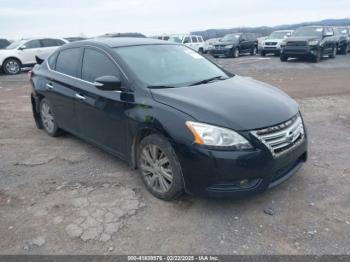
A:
122,41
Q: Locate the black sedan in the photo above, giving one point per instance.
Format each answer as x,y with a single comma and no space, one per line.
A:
184,122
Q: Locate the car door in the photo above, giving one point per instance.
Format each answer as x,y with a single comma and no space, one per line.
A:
328,41
243,43
61,86
100,114
28,51
195,43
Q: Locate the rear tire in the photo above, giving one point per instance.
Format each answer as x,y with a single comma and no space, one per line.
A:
12,66
47,118
159,167
344,50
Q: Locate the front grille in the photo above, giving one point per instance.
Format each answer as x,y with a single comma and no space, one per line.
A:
296,43
219,46
283,137
270,43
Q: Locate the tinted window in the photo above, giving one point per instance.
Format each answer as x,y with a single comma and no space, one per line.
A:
68,61
200,39
194,39
96,64
32,44
51,42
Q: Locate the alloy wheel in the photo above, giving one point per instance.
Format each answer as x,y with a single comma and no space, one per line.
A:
47,118
156,169
12,67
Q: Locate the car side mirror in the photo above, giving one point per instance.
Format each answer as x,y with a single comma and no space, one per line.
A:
22,47
108,83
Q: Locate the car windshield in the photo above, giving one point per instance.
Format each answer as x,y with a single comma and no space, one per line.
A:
175,39
231,38
308,31
168,65
14,44
278,35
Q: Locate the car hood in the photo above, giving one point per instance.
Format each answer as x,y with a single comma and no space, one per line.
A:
303,38
273,40
226,43
238,103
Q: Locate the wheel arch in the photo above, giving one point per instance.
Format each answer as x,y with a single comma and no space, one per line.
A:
137,138
12,57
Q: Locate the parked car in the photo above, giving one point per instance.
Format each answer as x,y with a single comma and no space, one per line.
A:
233,45
22,53
4,43
209,44
272,44
310,42
194,42
184,122
74,39
136,35
343,35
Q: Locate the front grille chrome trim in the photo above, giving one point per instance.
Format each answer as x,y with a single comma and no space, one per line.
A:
282,138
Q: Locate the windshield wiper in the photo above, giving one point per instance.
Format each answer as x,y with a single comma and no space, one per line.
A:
209,80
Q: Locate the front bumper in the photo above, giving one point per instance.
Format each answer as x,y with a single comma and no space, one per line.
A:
220,173
300,51
271,49
225,52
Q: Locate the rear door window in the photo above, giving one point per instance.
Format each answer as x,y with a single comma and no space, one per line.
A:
97,64
194,39
68,61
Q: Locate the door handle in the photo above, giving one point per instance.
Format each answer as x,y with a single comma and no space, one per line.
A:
49,86
80,97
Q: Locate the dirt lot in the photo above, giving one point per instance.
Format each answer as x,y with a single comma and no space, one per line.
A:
62,195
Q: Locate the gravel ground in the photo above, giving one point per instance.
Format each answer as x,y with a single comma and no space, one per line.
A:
64,196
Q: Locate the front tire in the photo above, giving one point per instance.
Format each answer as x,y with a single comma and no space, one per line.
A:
262,53
334,52
283,58
317,58
47,118
235,52
12,66
159,167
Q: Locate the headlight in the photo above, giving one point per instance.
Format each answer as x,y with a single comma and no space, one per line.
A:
283,43
209,135
313,42
228,46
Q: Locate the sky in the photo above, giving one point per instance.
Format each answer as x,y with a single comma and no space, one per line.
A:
62,18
